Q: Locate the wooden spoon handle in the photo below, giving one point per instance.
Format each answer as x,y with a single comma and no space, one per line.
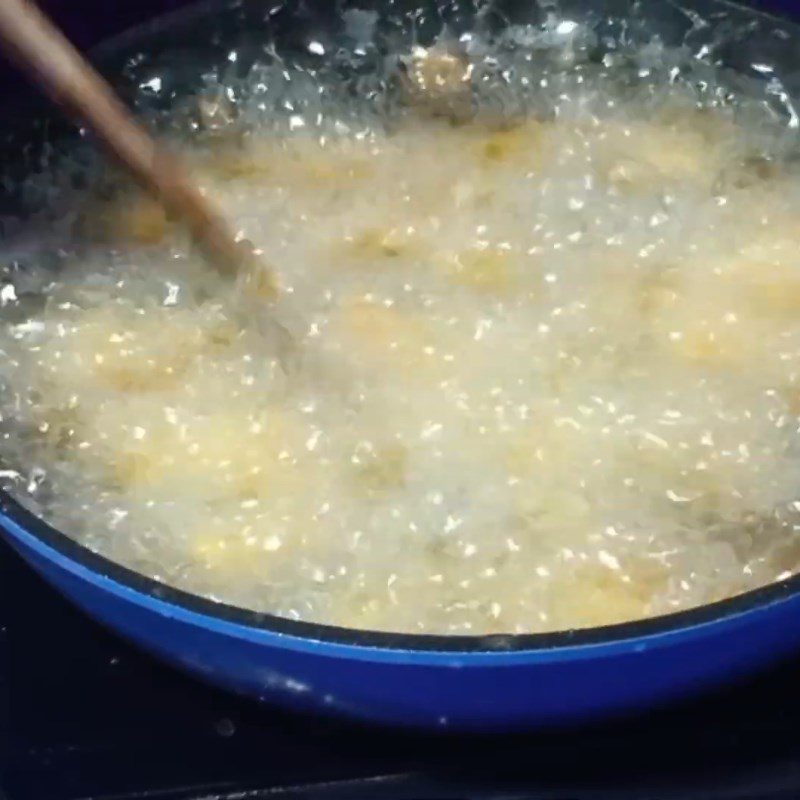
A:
38,47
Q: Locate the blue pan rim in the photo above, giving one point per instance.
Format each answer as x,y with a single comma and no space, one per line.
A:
15,512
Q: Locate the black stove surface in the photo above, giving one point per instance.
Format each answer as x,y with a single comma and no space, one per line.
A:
83,715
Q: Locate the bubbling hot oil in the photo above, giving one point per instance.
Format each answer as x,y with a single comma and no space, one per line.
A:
550,371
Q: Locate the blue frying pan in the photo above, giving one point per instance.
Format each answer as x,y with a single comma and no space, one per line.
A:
447,682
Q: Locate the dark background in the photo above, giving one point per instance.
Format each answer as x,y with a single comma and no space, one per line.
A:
88,20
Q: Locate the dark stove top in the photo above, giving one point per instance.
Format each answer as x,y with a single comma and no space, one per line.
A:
83,715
